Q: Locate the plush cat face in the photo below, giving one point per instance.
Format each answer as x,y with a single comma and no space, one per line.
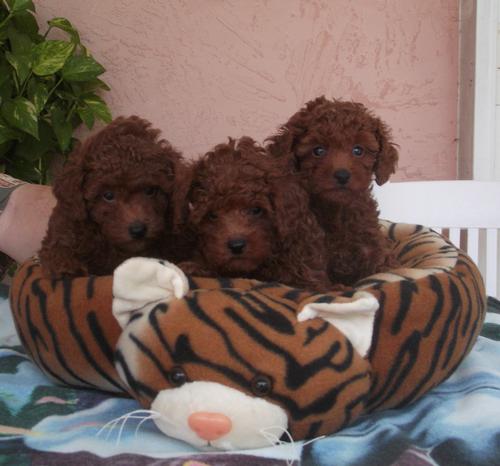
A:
233,370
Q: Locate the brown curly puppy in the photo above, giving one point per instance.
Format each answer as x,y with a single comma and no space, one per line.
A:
339,147
252,219
114,201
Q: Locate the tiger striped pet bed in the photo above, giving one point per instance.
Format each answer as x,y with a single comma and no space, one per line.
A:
232,363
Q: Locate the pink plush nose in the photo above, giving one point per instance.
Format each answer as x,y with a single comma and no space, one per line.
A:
209,426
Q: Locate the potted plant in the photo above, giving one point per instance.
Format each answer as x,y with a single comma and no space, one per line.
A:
47,89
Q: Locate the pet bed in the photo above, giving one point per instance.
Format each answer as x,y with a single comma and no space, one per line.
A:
47,423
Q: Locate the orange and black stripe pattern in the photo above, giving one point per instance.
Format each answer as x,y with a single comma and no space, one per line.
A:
235,331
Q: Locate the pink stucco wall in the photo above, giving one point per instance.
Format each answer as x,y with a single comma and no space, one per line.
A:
202,70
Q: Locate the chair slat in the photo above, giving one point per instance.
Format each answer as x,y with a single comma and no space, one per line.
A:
491,261
446,205
473,244
454,236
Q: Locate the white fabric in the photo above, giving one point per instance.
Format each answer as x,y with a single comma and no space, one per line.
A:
254,420
141,281
353,317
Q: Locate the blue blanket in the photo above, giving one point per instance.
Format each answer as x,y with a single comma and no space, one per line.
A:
457,423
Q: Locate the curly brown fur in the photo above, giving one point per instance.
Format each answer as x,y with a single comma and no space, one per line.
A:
339,147
252,219
113,201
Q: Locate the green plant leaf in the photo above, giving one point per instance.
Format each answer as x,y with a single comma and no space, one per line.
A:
50,56
98,107
20,5
66,95
3,34
21,114
66,26
26,23
6,89
7,134
86,115
20,43
5,148
32,149
95,84
24,170
79,68
38,94
21,64
4,71
61,127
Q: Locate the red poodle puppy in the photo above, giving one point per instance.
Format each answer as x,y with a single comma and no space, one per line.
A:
251,219
339,147
114,201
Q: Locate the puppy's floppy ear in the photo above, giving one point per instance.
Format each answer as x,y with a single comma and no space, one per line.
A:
68,186
184,177
388,156
281,143
290,203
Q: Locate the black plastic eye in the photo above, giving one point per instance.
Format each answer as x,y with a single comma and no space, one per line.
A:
108,196
256,211
261,385
358,150
151,190
177,376
319,151
212,216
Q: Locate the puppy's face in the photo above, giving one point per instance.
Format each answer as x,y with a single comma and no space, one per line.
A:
236,238
337,167
129,215
340,147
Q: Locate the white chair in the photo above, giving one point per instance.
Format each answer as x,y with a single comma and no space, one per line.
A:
467,212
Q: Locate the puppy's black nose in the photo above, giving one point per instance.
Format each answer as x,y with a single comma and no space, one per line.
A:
236,245
137,230
342,176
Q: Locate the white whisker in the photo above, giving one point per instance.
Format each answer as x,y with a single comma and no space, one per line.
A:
149,418
313,440
111,425
143,414
275,440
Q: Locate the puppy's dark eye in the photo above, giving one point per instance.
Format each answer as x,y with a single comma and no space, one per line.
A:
177,376
108,196
151,190
256,211
319,151
212,216
261,385
358,150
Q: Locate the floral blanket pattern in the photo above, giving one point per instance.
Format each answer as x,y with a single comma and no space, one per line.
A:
457,423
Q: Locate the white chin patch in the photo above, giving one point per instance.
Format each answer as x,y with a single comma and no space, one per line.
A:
251,422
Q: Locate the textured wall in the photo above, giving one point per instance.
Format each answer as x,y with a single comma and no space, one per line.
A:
203,70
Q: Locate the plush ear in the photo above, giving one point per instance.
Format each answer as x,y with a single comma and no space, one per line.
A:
140,281
354,317
387,158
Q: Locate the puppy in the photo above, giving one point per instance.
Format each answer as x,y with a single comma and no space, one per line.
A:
251,218
114,201
339,147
